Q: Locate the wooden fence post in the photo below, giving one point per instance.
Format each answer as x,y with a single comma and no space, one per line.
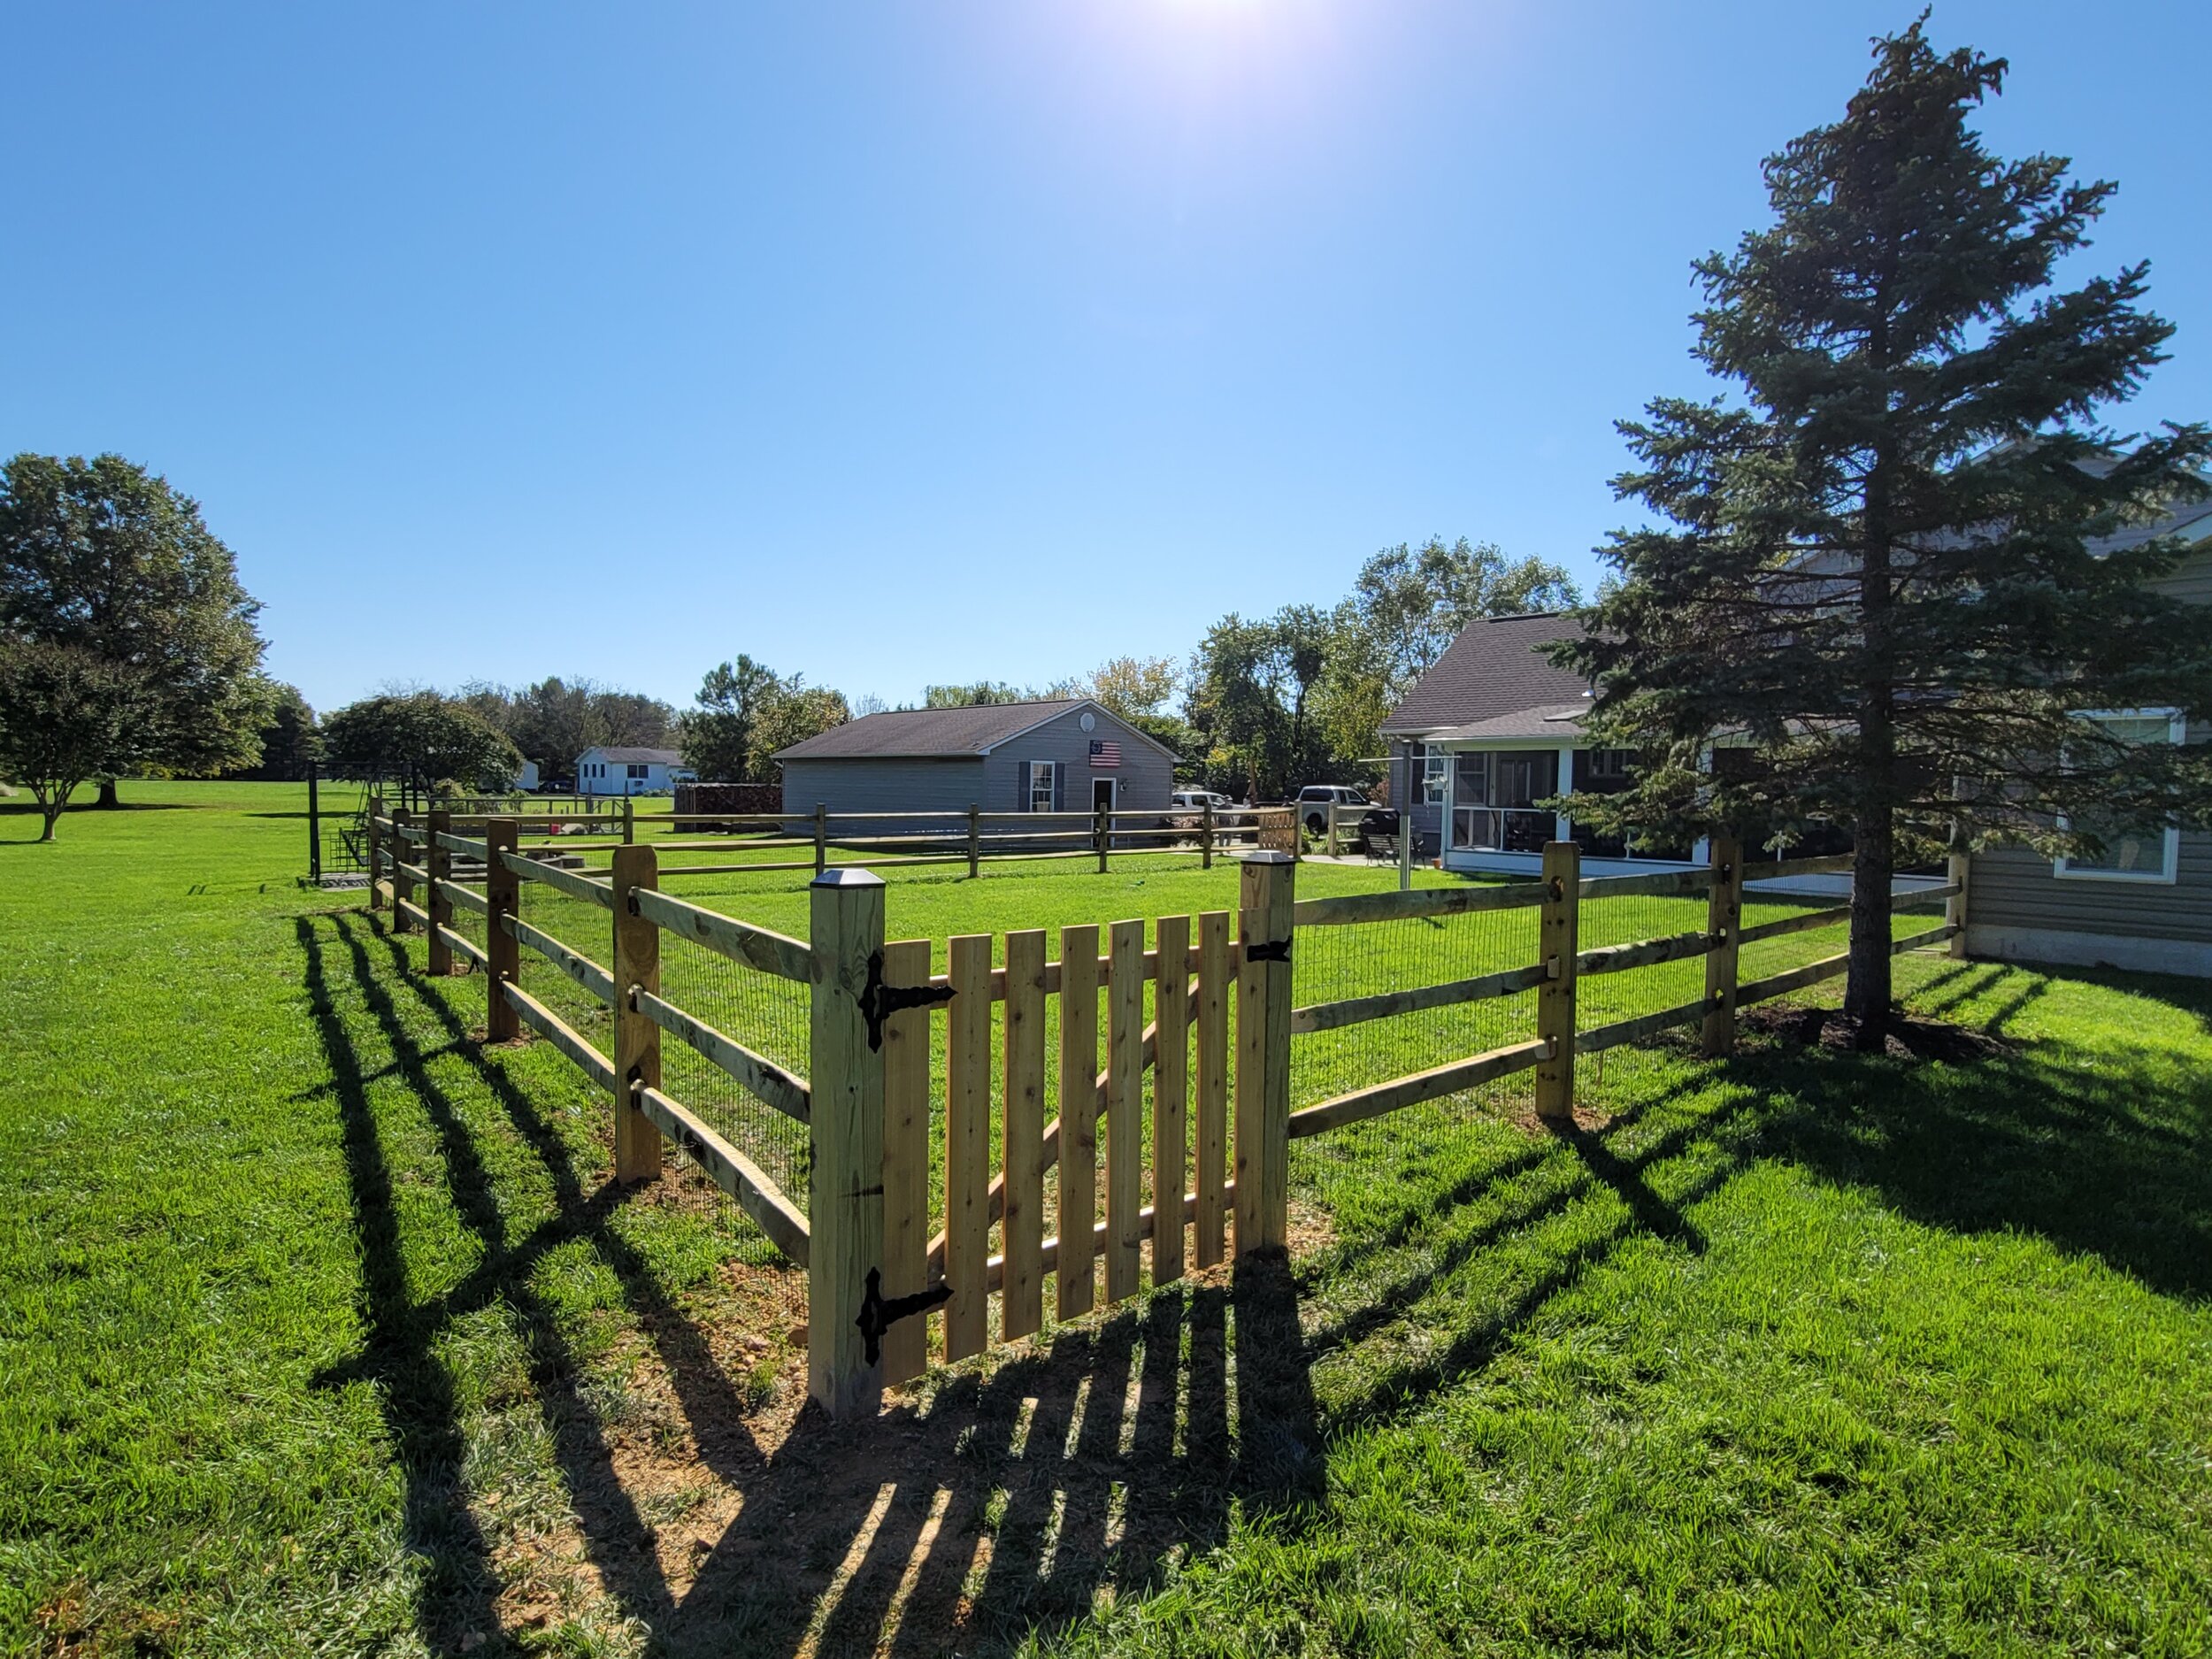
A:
1406,834
845,1184
975,840
637,1040
906,1167
1723,920
1559,924
1206,834
314,829
439,862
629,823
402,884
821,838
1958,868
1099,833
503,899
1264,997
374,846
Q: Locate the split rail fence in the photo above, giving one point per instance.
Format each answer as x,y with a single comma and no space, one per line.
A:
931,1095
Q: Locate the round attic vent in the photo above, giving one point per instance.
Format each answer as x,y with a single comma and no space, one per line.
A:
1087,721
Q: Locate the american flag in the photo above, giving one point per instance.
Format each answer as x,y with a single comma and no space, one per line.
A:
1105,754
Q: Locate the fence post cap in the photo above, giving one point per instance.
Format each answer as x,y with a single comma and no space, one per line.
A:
1269,856
847,877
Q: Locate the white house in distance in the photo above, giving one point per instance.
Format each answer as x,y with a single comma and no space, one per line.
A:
614,770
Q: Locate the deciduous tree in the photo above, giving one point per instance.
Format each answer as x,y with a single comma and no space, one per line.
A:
418,740
67,714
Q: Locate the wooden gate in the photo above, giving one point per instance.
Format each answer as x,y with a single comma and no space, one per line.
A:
1167,1125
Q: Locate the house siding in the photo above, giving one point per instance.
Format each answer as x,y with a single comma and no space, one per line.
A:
995,782
1147,773
2190,581
1405,788
950,785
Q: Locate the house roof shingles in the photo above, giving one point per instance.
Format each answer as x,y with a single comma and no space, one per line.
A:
1493,670
635,757
934,733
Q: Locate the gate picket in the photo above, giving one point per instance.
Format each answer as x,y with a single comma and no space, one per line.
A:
1213,1084
1078,1118
968,1145
1125,1107
1171,1080
906,1159
1022,1310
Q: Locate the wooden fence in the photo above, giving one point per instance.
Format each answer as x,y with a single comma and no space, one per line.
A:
1214,1057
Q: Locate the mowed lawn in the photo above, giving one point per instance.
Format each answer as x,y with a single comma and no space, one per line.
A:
320,1330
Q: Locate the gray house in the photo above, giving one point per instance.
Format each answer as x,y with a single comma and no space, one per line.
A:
1493,727
1066,755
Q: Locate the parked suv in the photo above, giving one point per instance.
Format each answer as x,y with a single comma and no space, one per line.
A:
1315,799
1186,810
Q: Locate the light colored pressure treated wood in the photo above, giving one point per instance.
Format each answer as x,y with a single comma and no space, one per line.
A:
1723,921
906,1160
1791,980
1432,1084
739,941
1212,1091
1022,1307
1077,1139
549,1026
403,883
637,1040
1264,926
1643,953
967,1143
576,965
458,945
1804,921
993,1271
1599,1038
439,869
1558,924
1125,1107
460,898
845,1186
503,900
376,839
732,1170
1828,866
762,1077
1171,1089
567,881
1665,884
1354,1010
1351,909
413,915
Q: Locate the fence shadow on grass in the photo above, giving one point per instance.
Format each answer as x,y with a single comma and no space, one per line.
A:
999,1505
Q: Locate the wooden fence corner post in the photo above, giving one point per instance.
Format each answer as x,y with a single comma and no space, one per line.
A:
1958,872
438,863
1724,920
845,1184
637,1040
503,900
975,840
402,884
1269,892
1558,928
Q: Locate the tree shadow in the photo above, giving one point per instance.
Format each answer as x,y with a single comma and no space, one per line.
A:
2101,1151
988,1506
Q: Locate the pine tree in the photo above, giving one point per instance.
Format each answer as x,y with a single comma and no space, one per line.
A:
1876,604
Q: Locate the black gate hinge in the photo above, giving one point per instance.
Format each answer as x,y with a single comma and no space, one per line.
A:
878,1316
1268,951
879,1001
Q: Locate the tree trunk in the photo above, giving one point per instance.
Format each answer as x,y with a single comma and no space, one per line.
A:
1866,994
109,800
50,811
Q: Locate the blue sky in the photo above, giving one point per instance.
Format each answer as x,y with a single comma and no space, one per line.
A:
917,341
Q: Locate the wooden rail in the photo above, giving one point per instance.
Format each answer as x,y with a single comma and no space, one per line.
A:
740,941
1432,1084
563,880
577,966
762,1077
1354,1010
730,1170
556,1031
461,944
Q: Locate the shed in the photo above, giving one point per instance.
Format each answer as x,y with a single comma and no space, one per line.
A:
1060,755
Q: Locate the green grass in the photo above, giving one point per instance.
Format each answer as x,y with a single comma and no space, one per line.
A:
320,1330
